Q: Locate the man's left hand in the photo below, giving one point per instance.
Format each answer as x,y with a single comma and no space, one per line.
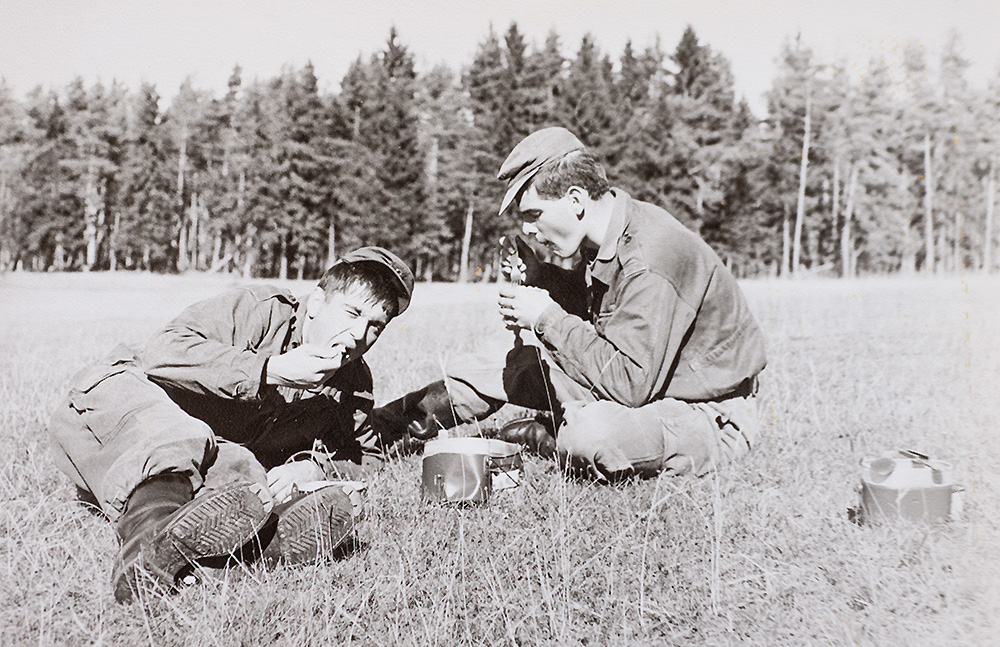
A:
521,305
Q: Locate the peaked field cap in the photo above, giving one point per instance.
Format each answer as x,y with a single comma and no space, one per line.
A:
530,155
397,268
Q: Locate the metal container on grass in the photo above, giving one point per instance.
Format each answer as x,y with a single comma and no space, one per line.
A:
468,470
907,485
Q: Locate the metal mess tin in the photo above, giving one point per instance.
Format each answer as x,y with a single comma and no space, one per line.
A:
457,470
907,485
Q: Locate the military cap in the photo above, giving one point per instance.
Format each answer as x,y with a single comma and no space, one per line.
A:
530,155
397,269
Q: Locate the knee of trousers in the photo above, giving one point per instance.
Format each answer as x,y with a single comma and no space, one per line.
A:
589,436
234,463
117,428
153,441
67,438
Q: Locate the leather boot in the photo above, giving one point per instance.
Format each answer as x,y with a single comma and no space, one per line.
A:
420,414
534,432
164,531
308,527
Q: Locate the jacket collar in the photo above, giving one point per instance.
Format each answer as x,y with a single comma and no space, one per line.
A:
601,267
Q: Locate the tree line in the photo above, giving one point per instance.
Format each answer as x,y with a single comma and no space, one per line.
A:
889,172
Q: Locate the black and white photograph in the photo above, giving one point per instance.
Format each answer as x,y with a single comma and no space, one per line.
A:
444,323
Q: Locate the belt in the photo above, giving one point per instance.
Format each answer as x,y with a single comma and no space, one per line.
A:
744,389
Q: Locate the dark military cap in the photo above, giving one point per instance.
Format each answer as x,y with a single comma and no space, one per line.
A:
530,155
403,277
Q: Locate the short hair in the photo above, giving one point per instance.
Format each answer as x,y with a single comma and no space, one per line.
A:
578,168
370,276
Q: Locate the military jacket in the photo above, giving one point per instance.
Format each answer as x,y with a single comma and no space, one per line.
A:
663,316
212,361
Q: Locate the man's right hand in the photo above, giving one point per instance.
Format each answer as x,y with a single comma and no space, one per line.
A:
305,367
522,265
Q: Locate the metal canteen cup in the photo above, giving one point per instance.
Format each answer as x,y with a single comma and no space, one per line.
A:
468,470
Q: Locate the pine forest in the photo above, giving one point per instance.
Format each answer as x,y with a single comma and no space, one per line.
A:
884,171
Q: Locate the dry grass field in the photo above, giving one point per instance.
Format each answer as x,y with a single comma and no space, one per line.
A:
762,553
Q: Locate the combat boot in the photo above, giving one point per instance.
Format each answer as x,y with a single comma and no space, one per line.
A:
420,414
165,532
309,526
535,432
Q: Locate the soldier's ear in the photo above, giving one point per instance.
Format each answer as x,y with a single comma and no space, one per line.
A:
577,196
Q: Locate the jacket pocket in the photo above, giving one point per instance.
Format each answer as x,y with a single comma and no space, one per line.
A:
118,361
108,394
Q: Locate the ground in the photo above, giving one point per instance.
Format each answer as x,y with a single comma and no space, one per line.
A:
761,553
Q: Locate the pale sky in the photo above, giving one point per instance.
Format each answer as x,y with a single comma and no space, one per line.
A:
48,42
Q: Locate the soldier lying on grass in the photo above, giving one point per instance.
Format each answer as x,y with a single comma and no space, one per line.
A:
648,356
230,411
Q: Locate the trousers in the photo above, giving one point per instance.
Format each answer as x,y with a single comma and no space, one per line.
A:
606,439
117,428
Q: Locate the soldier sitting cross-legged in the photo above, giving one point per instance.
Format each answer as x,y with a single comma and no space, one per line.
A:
647,356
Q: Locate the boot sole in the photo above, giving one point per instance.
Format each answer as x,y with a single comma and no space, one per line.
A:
315,525
212,525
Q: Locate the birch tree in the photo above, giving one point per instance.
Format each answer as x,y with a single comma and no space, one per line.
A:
790,119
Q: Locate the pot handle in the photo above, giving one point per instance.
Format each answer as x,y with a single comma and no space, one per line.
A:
957,501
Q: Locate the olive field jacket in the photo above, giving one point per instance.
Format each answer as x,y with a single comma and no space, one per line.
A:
663,315
212,361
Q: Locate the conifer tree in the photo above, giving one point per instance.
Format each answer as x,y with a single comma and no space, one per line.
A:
143,223
19,139
987,166
707,128
790,111
381,101
90,147
229,143
490,85
493,133
587,105
351,191
310,129
881,208
637,92
183,121
541,86
921,114
49,214
959,197
450,138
